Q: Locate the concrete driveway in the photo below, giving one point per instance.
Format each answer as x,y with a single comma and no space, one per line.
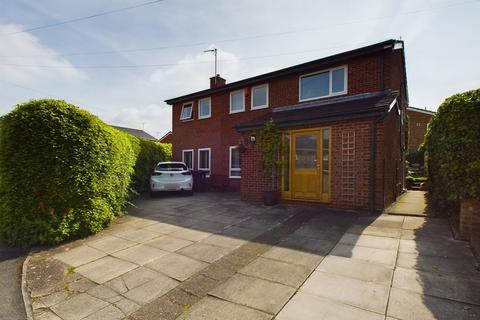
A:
212,256
11,306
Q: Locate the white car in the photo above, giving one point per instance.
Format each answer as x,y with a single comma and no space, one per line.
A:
171,176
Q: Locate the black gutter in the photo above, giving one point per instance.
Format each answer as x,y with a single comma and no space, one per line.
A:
293,69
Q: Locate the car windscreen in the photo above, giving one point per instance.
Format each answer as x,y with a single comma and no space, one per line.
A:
171,167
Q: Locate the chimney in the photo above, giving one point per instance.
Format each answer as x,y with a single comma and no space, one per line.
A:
217,81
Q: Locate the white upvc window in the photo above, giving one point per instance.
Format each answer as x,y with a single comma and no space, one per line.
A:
204,160
204,108
259,97
326,83
187,158
237,101
187,111
234,163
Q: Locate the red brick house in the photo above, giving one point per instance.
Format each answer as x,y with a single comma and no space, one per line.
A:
418,120
167,138
342,119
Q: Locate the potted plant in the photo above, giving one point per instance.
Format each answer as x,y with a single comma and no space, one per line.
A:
270,144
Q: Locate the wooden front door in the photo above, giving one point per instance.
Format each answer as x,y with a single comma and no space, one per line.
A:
306,165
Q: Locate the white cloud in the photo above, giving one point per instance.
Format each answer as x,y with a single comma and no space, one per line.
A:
23,49
153,118
192,73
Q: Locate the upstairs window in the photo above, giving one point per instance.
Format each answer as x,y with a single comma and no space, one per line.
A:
187,111
235,169
237,101
260,97
323,84
204,108
204,160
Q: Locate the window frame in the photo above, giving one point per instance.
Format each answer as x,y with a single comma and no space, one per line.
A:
193,158
266,100
230,169
243,96
209,109
209,169
330,84
191,112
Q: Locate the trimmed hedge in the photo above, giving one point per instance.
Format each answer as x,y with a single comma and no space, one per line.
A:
63,172
150,153
452,146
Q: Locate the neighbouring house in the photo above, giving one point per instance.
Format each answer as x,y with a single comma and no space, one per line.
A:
342,119
418,120
137,133
167,138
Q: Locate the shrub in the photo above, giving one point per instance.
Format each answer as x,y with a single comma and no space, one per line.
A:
150,153
63,172
453,150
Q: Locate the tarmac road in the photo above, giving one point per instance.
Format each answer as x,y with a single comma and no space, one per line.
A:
11,301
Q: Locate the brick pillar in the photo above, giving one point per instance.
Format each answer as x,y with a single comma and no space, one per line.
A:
467,206
473,206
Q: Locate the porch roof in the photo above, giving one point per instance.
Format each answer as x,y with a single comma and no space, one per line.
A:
320,111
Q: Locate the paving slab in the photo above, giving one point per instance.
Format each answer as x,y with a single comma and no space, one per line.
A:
79,307
138,235
446,249
306,306
364,240
168,243
384,221
109,313
204,252
323,232
110,244
439,285
464,266
375,255
127,306
177,266
137,277
163,228
140,254
102,292
362,294
357,269
375,231
224,241
137,222
253,292
47,315
300,250
406,305
277,271
105,269
190,234
438,235
411,203
80,255
211,308
414,223
151,290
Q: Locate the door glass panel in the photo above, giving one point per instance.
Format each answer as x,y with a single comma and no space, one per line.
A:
326,161
306,151
286,162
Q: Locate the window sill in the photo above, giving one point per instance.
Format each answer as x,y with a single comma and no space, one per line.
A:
238,111
324,97
201,118
259,108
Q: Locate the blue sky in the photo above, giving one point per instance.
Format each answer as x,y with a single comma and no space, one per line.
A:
122,66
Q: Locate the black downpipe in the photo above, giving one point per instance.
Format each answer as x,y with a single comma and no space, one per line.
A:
373,149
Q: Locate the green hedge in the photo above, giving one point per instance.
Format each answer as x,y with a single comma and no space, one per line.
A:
63,172
452,146
150,153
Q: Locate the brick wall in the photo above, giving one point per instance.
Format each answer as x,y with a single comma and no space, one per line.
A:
253,184
417,123
217,132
